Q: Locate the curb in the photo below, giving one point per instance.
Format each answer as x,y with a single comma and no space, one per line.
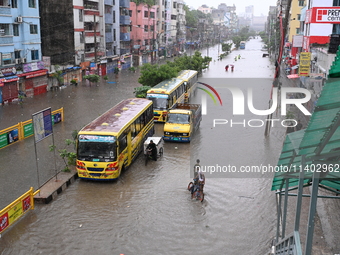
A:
50,190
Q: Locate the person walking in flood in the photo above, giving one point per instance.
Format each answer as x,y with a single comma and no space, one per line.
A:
232,68
227,67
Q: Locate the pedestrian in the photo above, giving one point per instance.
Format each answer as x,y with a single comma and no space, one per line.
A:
232,68
239,56
298,126
235,58
197,167
226,67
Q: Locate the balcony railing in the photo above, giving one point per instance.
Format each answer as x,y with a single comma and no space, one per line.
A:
125,37
6,40
124,20
124,3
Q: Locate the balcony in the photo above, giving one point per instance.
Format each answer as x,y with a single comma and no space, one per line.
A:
124,20
124,3
125,37
5,40
5,10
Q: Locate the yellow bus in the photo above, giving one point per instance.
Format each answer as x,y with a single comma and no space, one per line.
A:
190,78
110,143
166,95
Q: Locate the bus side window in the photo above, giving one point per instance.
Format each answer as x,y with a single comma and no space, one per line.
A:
122,142
133,131
149,114
138,126
141,121
186,86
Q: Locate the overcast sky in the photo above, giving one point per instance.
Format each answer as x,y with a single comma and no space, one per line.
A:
260,6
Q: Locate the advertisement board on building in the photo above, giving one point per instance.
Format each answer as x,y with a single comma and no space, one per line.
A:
297,41
325,15
304,63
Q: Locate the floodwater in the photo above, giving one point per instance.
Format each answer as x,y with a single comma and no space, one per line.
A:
148,209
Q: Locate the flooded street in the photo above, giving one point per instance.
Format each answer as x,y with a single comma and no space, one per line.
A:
148,210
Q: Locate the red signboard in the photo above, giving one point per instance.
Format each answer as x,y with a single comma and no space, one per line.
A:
330,15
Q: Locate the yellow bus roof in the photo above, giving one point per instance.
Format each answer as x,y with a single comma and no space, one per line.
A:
166,86
115,119
187,74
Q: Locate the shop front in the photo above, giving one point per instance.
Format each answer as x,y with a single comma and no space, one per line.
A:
34,83
8,89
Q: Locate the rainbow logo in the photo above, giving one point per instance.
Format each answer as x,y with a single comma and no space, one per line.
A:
204,101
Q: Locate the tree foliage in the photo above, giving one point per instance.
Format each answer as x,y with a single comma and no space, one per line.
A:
154,74
151,75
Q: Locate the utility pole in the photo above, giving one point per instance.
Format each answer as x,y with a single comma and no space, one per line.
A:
95,39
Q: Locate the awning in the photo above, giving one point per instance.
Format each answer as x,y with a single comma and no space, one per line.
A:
319,143
34,73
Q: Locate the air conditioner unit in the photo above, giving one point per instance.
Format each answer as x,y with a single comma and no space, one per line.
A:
17,60
18,19
23,60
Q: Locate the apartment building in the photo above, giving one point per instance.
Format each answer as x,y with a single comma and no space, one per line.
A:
21,65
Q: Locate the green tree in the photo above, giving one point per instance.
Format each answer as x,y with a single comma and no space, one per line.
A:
93,78
69,157
58,74
151,75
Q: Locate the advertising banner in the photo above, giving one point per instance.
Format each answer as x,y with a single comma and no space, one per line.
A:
42,122
16,210
304,63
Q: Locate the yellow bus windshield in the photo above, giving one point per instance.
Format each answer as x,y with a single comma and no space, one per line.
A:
97,148
160,101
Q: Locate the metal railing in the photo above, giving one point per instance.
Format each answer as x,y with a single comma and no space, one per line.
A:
290,245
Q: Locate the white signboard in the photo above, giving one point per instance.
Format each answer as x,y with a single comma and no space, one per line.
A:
297,40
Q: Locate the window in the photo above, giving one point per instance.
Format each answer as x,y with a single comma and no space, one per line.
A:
301,3
297,30
298,17
336,29
130,13
122,141
152,15
173,17
336,2
34,54
17,54
31,4
114,35
81,15
152,28
108,28
146,28
174,5
15,29
108,9
4,29
114,17
14,3
4,3
81,37
146,14
33,29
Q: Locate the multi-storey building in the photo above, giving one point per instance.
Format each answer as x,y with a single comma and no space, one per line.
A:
112,34
294,19
21,65
143,32
124,17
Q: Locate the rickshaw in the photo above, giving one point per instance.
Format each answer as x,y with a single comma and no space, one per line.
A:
159,145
